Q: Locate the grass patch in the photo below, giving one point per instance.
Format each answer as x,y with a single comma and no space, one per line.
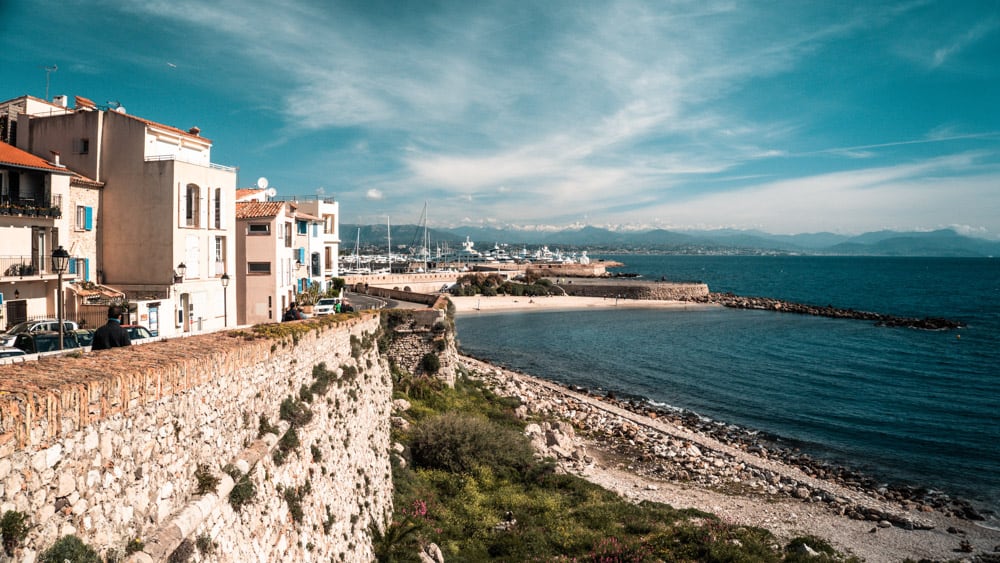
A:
473,487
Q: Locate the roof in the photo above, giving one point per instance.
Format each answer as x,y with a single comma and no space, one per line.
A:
81,180
175,130
14,156
247,192
258,209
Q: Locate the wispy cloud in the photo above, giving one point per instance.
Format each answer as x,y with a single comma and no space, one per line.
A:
976,33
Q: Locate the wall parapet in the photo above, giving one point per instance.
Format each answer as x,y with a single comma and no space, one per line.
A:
105,445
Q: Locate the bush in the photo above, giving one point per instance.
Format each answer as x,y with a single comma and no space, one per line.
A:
458,443
14,530
207,482
244,491
183,552
69,548
430,363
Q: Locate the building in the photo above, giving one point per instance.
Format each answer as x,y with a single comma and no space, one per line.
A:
166,211
323,258
33,223
265,244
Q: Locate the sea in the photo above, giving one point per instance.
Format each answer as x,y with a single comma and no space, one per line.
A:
904,406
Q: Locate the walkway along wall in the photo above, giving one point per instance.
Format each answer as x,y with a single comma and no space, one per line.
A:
106,445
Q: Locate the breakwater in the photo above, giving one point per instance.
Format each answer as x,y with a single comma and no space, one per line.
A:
768,304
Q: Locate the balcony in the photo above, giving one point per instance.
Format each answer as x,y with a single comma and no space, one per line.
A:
30,207
25,266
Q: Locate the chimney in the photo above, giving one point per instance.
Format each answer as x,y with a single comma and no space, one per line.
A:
61,101
55,159
194,131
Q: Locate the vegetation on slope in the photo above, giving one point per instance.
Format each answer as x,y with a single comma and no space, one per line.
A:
472,485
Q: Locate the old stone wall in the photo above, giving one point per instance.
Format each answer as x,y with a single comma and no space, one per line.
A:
416,333
106,445
666,291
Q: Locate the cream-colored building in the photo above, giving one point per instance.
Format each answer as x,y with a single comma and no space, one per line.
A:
265,244
33,223
323,261
166,213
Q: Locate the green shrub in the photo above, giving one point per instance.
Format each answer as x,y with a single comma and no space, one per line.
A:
14,527
244,491
69,548
430,363
207,482
183,552
459,442
295,412
264,426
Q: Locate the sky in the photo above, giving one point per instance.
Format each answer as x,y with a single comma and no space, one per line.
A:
784,116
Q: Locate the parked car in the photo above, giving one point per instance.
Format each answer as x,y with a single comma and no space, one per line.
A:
7,338
45,341
137,332
10,352
326,306
85,336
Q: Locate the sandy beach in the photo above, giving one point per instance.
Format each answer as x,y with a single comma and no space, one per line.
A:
506,303
878,539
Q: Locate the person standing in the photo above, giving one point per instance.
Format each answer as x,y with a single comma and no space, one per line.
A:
111,335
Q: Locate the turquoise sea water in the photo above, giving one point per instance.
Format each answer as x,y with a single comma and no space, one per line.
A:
904,405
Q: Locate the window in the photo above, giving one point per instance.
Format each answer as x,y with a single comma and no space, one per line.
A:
258,268
218,208
220,255
84,146
191,206
84,218
303,227
259,229
288,235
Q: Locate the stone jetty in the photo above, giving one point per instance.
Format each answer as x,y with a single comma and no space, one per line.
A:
777,305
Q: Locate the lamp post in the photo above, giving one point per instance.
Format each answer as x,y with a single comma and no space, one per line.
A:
60,260
225,301
181,270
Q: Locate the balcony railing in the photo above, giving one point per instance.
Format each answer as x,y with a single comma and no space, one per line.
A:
27,207
24,266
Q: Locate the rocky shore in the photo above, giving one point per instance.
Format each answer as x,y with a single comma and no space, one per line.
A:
769,304
671,454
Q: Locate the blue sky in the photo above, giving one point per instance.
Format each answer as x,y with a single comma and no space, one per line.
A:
788,117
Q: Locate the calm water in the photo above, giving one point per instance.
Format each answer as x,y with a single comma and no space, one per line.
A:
904,405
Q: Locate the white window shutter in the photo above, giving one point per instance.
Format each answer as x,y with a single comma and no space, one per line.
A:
181,206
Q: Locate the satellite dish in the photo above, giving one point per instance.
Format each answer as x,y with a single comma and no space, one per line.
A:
271,192
262,183
120,109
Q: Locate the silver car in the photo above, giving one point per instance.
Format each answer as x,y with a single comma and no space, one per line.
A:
37,325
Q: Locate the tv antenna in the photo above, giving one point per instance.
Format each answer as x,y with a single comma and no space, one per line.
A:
48,71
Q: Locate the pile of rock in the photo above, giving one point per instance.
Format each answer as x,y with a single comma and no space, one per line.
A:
657,447
769,304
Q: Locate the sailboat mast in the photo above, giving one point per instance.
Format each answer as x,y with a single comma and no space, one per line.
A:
388,232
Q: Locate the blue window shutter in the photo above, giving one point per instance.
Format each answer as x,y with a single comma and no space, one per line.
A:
72,265
89,221
302,255
86,269
315,229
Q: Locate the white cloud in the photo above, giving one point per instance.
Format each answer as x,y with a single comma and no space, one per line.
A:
374,194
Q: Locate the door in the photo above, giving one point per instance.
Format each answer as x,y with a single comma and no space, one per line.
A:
183,312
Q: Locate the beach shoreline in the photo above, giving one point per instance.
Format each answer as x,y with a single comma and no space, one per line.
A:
646,453
509,304
625,449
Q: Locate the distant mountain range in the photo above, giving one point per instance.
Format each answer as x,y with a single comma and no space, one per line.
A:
944,242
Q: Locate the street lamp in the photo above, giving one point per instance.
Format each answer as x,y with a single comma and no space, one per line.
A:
60,260
225,301
181,270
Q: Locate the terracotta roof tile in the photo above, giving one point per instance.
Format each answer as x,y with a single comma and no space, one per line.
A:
14,156
247,192
258,209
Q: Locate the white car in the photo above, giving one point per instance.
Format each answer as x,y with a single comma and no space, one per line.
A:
326,306
37,325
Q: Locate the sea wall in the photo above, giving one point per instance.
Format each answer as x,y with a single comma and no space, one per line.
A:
664,291
112,446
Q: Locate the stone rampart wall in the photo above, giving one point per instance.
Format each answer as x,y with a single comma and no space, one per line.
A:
665,291
106,445
419,332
